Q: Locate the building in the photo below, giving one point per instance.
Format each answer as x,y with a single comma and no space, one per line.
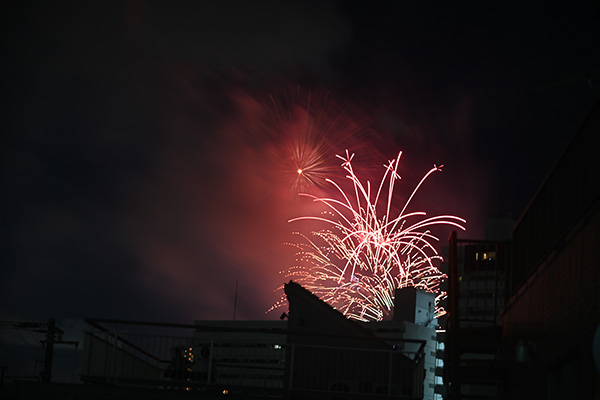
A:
553,305
414,322
315,353
524,314
477,271
328,354
240,354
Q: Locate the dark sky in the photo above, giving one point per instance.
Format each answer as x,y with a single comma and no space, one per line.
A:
141,150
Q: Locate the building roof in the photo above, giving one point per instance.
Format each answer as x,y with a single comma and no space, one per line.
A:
313,321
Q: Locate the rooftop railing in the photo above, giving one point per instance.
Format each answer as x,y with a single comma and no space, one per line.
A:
190,358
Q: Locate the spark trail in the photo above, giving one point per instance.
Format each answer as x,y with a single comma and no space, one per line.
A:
367,249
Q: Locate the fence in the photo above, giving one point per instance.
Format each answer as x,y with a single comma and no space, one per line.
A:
249,362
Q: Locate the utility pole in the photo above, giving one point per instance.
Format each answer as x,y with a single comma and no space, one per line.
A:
49,352
53,336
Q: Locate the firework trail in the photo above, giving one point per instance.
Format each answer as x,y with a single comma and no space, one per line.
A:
366,251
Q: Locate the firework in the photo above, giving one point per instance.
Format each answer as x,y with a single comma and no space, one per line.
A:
301,131
367,249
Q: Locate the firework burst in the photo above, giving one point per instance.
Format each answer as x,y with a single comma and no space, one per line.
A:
367,250
302,130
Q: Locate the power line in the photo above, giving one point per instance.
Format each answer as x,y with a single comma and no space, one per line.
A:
53,336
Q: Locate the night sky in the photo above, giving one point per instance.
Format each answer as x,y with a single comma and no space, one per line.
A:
143,167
